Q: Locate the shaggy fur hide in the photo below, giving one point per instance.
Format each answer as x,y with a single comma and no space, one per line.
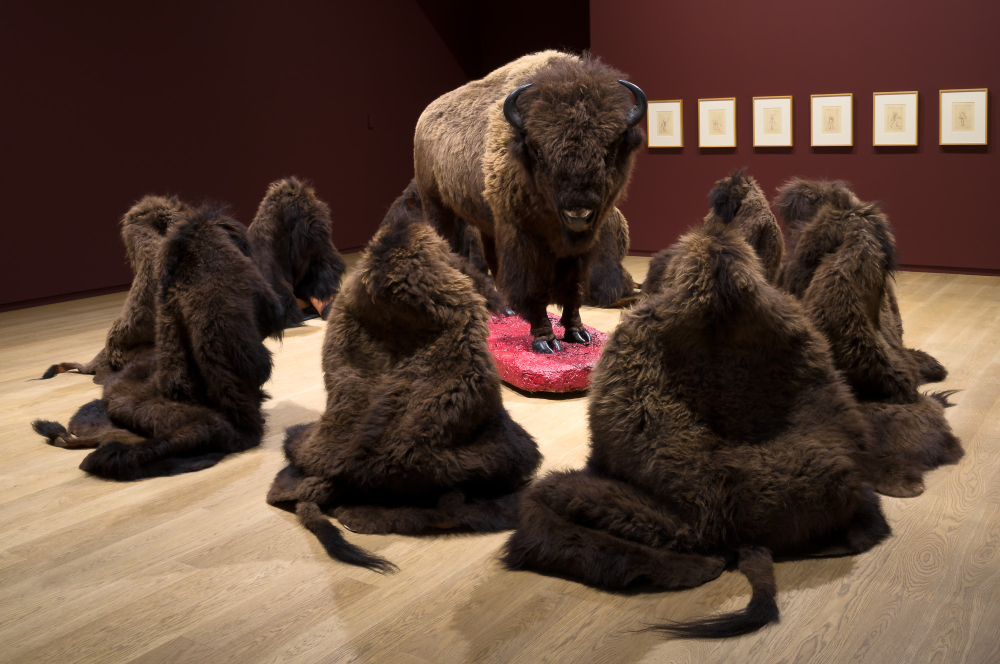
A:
195,396
739,203
415,435
842,270
292,247
720,430
143,228
576,152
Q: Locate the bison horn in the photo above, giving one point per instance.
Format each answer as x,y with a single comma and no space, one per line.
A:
510,108
638,111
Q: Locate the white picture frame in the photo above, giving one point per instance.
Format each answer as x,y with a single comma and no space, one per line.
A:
665,124
894,118
959,107
717,122
831,120
773,124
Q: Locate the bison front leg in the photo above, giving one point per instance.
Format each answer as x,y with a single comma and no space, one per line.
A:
524,278
570,273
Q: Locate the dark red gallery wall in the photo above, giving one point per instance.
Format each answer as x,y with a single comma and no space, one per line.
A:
104,102
940,199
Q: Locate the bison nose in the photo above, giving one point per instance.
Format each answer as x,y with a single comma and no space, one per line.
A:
578,219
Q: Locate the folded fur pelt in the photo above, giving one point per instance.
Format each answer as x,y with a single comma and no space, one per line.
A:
144,227
738,203
415,435
842,269
720,430
292,246
194,396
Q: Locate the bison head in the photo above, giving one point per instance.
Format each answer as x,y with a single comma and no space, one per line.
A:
576,132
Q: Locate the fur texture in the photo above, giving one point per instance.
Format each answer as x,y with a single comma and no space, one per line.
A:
195,396
737,202
842,270
720,430
144,227
415,435
292,247
576,153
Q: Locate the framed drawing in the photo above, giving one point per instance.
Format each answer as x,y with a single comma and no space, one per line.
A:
894,118
665,124
717,123
772,121
963,117
832,122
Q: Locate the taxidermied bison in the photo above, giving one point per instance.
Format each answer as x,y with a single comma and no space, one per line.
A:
292,246
143,229
535,156
415,435
195,396
842,269
720,430
739,203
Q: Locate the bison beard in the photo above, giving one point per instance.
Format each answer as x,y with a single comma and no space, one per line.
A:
292,246
195,396
534,156
842,269
415,435
720,430
144,227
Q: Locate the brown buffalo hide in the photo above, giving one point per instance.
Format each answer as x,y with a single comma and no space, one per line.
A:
194,396
738,203
720,429
415,435
144,227
842,270
292,246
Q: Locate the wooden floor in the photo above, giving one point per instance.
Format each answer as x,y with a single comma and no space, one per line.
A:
199,568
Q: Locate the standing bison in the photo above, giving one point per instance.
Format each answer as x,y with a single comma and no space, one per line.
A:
535,156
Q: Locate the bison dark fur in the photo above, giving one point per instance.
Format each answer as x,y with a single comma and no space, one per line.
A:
720,430
539,193
143,229
292,246
194,396
842,270
415,435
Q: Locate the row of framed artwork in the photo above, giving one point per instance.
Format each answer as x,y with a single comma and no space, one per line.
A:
894,120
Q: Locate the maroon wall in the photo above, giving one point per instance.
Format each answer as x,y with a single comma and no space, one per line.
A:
107,101
938,198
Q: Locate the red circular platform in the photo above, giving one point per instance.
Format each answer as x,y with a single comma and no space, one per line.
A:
566,371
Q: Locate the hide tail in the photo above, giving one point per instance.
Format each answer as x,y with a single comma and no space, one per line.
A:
63,367
756,564
57,435
333,541
942,397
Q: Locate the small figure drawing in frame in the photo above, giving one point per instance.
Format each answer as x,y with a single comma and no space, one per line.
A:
717,122
772,121
894,118
832,121
963,116
665,128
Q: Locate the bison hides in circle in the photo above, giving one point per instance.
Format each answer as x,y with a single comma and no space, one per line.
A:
739,203
535,156
415,435
292,245
143,229
720,430
842,268
182,404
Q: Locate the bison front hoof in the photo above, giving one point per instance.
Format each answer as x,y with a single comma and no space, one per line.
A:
508,312
546,347
577,337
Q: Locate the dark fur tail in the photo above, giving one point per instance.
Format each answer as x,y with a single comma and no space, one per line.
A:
941,397
728,193
51,430
63,367
757,565
333,541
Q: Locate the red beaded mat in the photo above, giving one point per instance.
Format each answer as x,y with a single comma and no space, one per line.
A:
566,371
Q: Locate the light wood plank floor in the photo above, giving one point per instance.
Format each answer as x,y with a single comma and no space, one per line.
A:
199,568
